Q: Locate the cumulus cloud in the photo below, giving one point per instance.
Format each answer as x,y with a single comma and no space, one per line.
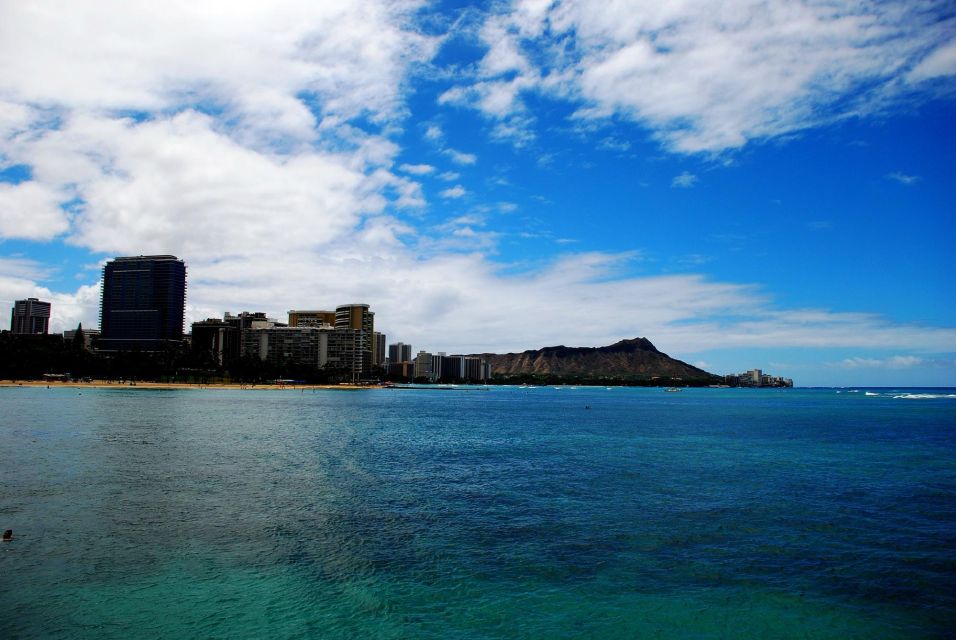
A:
225,129
19,279
31,211
417,169
14,118
417,300
434,133
178,185
454,192
254,62
460,157
257,143
706,77
444,293
684,181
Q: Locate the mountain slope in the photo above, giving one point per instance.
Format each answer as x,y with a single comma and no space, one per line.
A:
627,359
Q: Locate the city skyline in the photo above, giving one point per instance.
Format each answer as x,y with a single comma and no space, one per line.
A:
762,185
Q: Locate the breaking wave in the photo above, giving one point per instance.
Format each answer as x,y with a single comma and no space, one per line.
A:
925,396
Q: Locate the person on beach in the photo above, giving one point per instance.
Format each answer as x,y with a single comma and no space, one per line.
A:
8,535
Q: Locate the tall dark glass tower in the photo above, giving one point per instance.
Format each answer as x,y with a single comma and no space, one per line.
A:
144,302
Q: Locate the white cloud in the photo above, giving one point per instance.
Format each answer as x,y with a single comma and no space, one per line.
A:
177,185
507,207
32,211
894,362
469,220
694,259
706,77
252,61
417,169
684,181
449,176
245,158
434,133
939,63
444,293
18,280
459,157
241,142
20,268
614,144
903,178
14,118
453,192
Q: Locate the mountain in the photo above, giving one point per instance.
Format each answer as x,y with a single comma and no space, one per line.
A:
633,360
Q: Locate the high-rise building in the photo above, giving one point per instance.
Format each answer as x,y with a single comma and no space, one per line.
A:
423,365
30,316
437,358
143,303
284,346
453,368
399,352
473,368
378,349
345,352
357,318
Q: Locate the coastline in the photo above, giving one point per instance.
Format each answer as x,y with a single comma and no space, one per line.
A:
104,384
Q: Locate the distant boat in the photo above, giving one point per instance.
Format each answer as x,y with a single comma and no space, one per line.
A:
672,389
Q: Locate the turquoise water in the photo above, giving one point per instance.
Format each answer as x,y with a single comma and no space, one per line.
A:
508,513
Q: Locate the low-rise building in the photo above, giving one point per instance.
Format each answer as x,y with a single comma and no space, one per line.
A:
312,318
218,338
88,336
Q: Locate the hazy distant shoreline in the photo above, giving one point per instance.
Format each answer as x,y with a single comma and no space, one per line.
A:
103,384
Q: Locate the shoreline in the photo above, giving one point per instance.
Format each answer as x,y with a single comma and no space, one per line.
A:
104,384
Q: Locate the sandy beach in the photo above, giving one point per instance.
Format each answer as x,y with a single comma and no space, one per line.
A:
104,384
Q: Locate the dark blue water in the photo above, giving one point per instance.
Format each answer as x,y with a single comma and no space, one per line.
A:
509,513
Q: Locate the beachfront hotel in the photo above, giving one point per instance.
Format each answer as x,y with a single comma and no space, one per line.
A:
342,340
143,303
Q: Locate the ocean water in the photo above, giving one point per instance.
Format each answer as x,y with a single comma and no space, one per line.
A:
503,513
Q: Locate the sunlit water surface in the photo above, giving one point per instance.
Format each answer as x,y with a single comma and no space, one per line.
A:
501,513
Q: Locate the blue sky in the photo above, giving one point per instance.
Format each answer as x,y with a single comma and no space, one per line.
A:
747,184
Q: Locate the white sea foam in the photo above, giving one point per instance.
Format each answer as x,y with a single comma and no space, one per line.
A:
870,393
925,396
